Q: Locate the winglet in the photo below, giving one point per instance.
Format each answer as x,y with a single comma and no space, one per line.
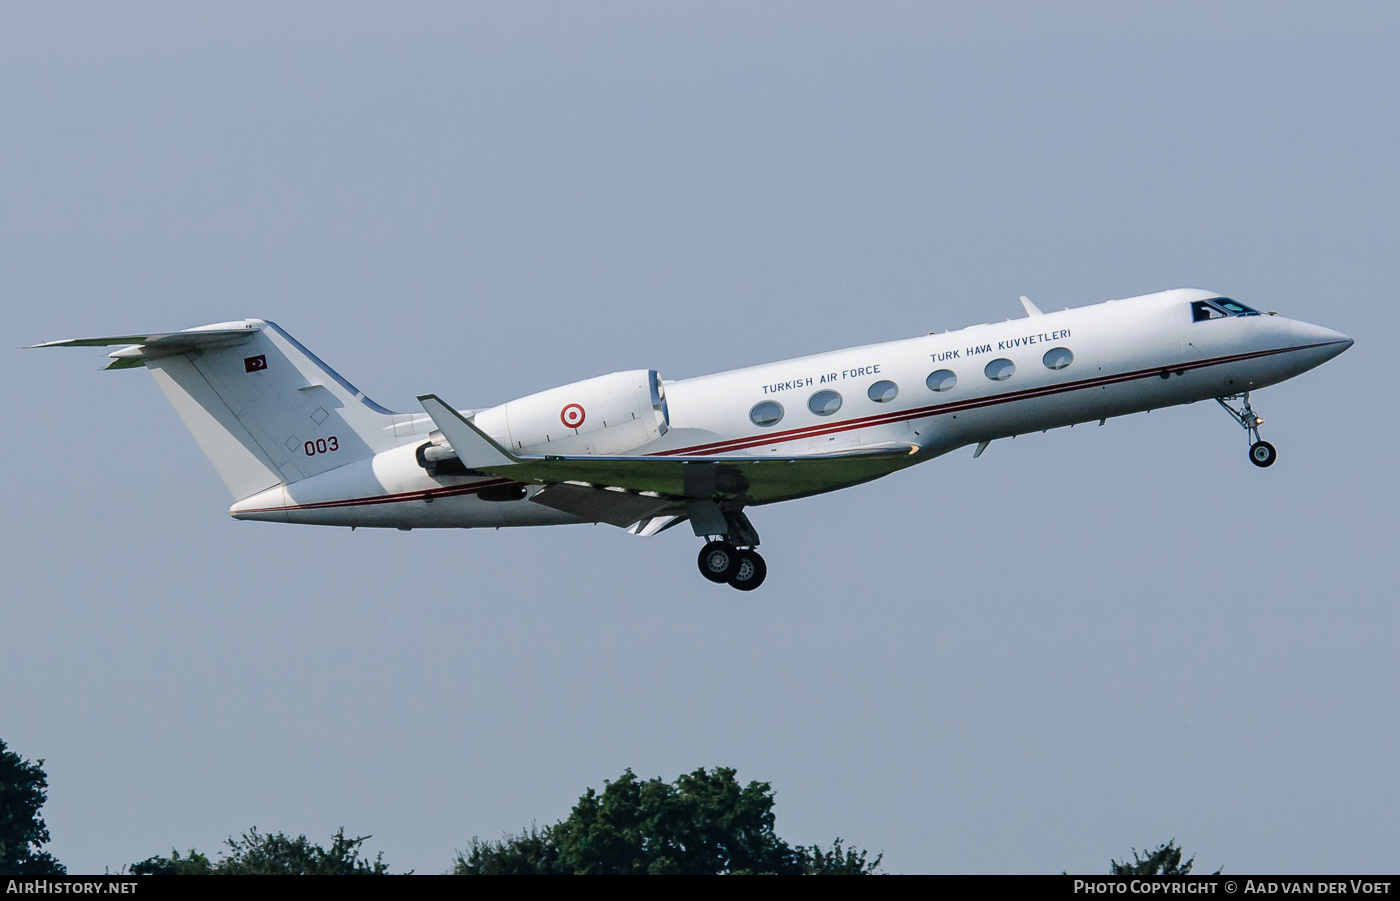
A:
474,449
1031,309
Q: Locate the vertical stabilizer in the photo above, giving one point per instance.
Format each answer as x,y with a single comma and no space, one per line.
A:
264,409
270,411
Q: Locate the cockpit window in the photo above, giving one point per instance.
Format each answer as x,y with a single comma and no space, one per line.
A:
1219,308
1234,307
1202,310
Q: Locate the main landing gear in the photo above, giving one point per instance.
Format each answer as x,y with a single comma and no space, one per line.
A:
1261,453
742,568
730,539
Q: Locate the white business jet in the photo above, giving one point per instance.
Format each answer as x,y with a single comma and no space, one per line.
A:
295,442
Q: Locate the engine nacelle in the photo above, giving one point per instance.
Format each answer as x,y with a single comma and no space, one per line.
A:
610,414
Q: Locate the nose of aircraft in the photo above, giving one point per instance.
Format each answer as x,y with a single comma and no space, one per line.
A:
1328,342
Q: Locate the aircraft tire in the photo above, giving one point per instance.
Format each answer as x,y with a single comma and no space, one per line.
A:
718,561
750,572
1262,453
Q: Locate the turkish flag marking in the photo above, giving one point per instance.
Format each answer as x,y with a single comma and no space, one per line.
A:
255,364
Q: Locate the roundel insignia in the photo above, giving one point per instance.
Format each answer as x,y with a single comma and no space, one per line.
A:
572,416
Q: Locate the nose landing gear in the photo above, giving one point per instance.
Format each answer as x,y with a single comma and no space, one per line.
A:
1261,452
742,568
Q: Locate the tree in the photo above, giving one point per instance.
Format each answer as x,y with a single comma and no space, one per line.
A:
23,790
1165,861
257,854
531,853
195,864
838,861
703,824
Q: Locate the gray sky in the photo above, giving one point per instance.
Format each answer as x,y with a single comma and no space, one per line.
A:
1076,644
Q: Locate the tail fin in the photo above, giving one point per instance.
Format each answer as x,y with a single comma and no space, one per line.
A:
264,409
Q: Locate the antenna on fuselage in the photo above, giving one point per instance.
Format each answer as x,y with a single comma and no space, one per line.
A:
1031,309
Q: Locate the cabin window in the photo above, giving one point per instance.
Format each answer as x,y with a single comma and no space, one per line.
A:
1202,310
824,403
767,413
1000,370
883,391
1058,358
942,380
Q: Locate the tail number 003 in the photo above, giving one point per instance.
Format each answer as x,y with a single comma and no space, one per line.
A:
321,446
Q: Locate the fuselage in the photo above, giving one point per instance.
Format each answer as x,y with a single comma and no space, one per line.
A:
931,394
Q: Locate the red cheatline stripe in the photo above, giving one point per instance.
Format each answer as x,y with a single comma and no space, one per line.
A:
719,447
402,497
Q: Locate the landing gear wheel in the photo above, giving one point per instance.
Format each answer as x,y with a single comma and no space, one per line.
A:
1262,453
718,561
750,572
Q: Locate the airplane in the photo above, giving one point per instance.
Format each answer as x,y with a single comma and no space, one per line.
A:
295,442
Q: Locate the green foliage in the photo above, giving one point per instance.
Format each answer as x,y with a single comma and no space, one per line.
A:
531,853
838,861
257,854
1165,861
705,823
23,790
174,865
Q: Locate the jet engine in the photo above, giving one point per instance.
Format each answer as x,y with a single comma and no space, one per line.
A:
610,414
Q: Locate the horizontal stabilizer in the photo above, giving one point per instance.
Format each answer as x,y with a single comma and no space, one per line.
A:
190,339
140,348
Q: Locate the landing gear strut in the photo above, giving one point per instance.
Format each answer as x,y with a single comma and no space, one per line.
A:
1261,452
742,568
